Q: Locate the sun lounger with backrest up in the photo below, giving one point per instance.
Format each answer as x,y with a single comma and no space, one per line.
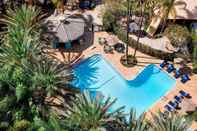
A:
169,108
177,73
185,78
163,64
184,94
178,99
173,104
170,68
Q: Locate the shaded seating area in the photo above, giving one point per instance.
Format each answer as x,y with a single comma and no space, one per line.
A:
65,29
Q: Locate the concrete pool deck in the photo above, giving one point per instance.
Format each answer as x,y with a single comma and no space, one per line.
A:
129,73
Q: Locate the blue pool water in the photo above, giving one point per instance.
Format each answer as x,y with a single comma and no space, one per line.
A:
96,74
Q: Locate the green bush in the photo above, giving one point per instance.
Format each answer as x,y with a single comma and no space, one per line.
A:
194,116
148,50
178,35
195,60
109,22
122,34
21,125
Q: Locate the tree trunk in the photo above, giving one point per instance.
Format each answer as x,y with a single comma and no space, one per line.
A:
138,38
164,21
128,20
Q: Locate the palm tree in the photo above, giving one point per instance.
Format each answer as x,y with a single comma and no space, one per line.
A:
18,48
48,76
137,124
22,38
167,8
87,113
174,122
25,18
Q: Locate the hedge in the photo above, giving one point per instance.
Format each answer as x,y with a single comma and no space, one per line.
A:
148,50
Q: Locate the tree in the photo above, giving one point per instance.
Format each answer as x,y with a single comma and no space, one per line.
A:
137,124
141,3
173,122
179,37
26,74
48,76
167,8
87,113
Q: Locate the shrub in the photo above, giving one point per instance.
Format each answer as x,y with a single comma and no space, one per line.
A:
178,35
109,21
21,125
194,116
195,60
121,33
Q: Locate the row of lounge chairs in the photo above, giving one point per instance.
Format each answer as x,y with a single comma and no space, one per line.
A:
173,105
177,72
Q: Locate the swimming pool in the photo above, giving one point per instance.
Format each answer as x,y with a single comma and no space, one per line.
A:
96,74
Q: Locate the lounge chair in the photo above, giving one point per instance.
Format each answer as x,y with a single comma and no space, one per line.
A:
178,99
184,94
177,73
170,68
173,104
169,108
163,64
185,78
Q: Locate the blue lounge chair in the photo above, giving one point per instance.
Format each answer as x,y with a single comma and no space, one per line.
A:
163,64
173,104
177,73
184,94
169,108
170,68
185,78
178,99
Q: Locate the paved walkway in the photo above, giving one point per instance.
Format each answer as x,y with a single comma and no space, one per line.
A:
162,44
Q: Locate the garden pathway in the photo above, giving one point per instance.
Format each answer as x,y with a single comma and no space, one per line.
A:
162,44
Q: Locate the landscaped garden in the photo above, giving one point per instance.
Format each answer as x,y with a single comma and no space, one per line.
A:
35,90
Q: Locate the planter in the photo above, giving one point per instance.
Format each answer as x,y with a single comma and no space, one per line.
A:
128,61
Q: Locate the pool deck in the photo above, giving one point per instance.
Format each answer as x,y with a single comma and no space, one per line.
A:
130,73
